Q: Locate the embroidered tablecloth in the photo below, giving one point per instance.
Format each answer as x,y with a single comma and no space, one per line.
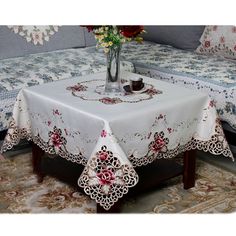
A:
112,134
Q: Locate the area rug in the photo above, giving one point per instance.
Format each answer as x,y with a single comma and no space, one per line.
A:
215,192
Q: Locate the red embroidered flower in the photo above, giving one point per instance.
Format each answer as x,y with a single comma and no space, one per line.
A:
169,130
103,133
222,39
207,44
103,156
159,143
160,117
110,101
77,88
56,112
212,103
56,139
151,91
235,48
106,177
234,29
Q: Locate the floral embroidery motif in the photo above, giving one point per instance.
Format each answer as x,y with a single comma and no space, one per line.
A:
152,91
35,34
93,90
77,88
225,108
159,143
106,179
46,67
110,101
219,40
217,145
55,138
56,144
103,133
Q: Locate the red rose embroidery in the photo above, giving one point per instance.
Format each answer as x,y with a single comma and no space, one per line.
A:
212,103
235,48
56,139
110,101
169,130
77,88
207,44
56,112
103,156
234,29
106,177
159,143
103,133
151,91
222,39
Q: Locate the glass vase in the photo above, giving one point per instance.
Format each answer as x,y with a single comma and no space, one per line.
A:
113,80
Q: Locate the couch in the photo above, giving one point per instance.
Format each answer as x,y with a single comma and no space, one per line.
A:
31,56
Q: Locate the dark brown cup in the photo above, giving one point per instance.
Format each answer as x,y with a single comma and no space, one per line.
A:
136,85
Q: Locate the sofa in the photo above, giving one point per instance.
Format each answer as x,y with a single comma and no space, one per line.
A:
42,54
31,55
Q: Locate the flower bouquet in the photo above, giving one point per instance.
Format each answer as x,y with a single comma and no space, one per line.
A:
111,38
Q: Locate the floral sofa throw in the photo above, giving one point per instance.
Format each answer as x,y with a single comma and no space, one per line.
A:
211,74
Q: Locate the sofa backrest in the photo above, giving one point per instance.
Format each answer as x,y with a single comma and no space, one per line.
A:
18,41
183,37
89,38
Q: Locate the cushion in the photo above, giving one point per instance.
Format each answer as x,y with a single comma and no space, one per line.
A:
89,38
183,37
18,40
219,40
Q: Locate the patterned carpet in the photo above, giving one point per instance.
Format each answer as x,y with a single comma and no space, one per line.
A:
215,192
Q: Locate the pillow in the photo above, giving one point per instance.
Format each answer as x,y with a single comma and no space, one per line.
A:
89,38
219,40
18,40
183,37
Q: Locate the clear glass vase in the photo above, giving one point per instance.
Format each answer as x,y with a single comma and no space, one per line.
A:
113,81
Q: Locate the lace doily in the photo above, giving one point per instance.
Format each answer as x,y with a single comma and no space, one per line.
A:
93,90
35,34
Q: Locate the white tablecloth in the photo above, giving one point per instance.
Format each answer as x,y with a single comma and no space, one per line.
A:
112,134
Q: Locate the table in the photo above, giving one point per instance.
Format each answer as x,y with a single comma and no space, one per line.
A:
111,135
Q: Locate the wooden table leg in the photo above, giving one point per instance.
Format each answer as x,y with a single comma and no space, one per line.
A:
189,169
37,154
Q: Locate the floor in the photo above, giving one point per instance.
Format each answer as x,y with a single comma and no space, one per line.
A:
214,191
219,161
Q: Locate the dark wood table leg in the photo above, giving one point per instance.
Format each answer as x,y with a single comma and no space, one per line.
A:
189,169
37,154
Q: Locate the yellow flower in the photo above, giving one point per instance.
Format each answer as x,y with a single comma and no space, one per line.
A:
106,50
110,43
104,45
101,30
